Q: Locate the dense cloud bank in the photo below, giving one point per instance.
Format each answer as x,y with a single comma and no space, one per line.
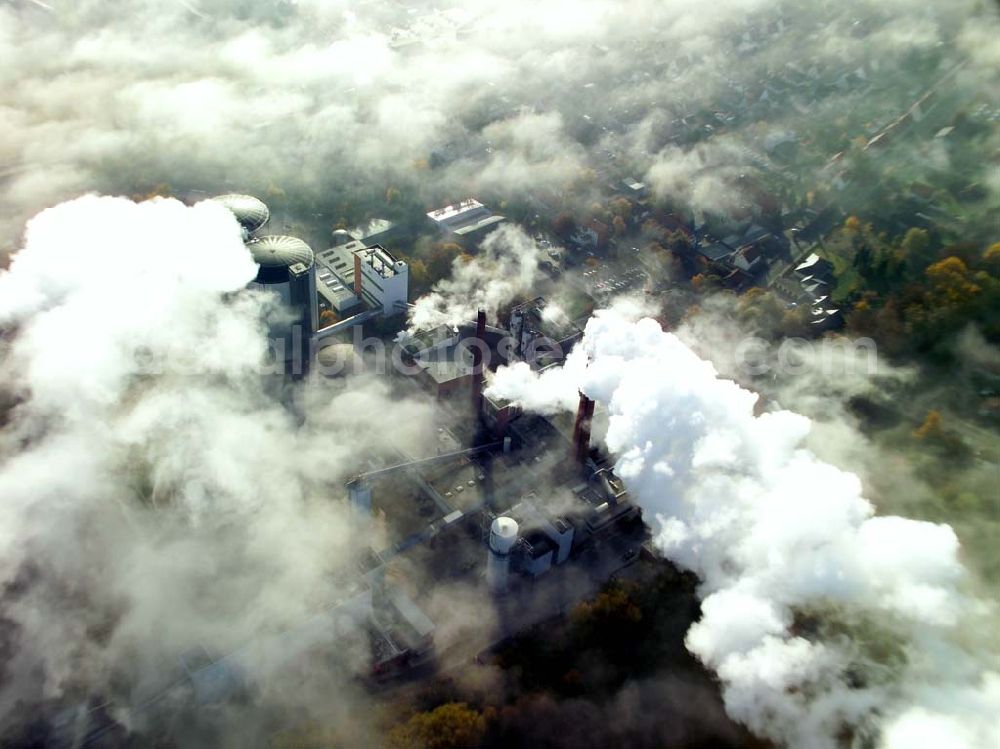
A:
159,497
320,106
817,615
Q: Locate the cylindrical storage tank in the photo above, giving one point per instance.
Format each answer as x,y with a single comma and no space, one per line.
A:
503,536
248,210
286,268
340,236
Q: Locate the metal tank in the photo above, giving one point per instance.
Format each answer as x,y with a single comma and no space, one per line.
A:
287,268
251,212
503,537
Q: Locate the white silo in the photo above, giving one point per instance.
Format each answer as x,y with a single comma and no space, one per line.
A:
503,536
248,210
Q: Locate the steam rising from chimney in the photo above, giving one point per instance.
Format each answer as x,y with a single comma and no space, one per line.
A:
896,650
505,266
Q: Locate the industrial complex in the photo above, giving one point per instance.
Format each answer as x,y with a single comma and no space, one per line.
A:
321,293
520,511
531,515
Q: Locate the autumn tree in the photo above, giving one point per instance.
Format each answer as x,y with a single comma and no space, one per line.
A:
880,266
161,190
454,725
991,258
621,207
419,277
931,426
951,283
441,258
933,433
612,613
706,281
564,225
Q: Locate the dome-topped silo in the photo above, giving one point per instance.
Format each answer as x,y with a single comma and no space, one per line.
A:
248,210
275,254
286,267
503,537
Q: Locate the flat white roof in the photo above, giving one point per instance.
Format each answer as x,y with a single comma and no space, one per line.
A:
380,260
452,211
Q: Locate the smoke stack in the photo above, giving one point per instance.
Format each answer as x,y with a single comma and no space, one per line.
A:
477,363
581,429
357,276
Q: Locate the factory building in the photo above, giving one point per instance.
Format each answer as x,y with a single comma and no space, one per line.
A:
467,219
336,293
446,355
353,279
528,541
352,274
401,635
542,333
544,541
497,415
381,280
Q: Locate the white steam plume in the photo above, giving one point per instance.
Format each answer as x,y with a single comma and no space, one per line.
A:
782,540
156,498
505,266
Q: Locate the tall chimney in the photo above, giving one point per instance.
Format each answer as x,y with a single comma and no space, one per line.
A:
581,429
477,363
358,282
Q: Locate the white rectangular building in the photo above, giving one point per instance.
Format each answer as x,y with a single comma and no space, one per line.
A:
466,219
355,273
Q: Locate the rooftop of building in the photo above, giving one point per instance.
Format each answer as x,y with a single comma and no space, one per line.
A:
549,319
440,351
715,251
451,212
478,225
278,251
380,260
340,259
537,543
446,334
465,218
332,288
